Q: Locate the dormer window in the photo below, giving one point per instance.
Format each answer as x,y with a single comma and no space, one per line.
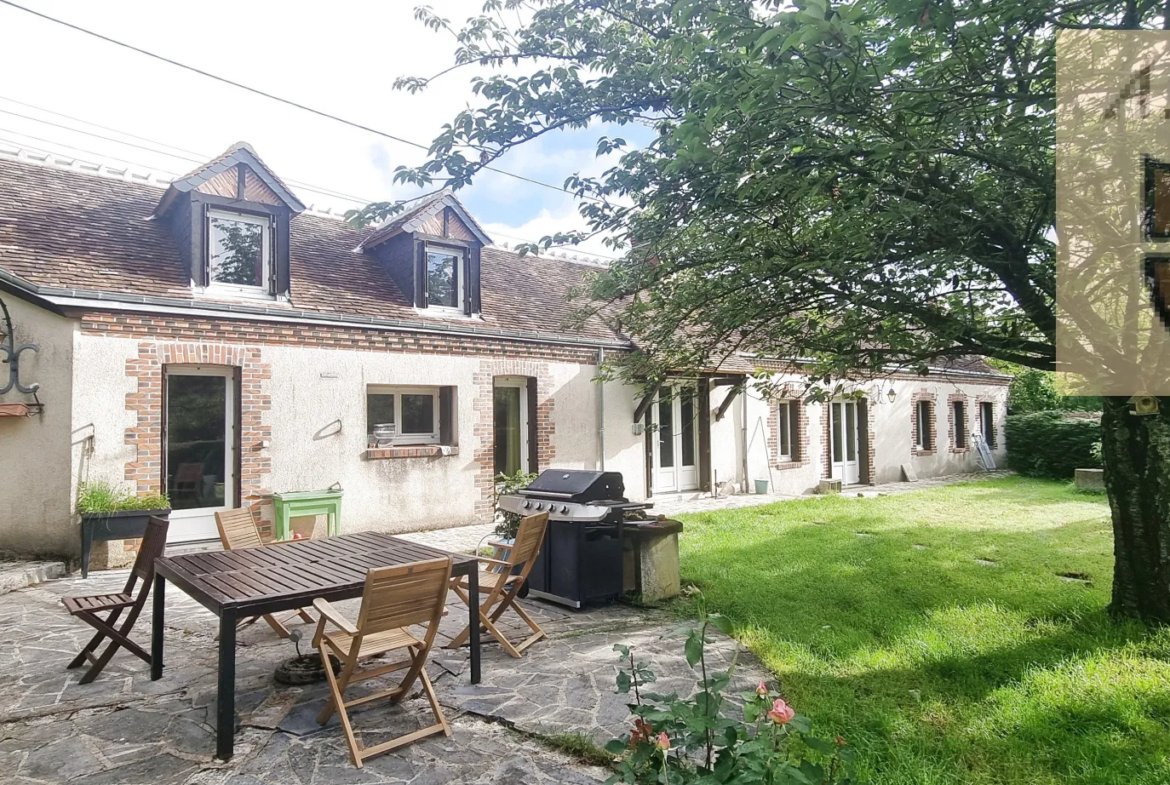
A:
239,252
445,278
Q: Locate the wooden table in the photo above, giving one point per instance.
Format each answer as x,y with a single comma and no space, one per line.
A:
238,584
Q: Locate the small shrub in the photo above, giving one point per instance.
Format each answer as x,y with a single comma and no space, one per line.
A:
688,741
508,523
101,496
1052,444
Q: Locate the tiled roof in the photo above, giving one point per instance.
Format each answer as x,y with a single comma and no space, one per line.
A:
68,229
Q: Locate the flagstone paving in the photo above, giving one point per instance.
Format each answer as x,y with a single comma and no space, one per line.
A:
124,729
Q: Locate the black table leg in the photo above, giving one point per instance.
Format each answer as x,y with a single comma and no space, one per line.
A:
225,699
473,620
156,628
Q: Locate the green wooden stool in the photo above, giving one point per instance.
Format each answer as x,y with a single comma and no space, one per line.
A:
297,503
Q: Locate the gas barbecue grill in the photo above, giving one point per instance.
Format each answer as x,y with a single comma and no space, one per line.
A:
581,559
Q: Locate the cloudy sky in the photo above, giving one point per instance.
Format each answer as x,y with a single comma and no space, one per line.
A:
341,58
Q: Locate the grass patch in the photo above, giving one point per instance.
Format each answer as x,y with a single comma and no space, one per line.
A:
580,746
939,668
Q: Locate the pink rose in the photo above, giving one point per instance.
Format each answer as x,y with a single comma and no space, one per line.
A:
781,712
663,742
762,689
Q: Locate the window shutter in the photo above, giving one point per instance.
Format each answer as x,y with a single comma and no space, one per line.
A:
273,258
205,249
473,259
420,274
465,279
447,415
705,435
533,429
794,434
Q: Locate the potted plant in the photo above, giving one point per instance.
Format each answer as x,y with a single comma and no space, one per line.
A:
109,512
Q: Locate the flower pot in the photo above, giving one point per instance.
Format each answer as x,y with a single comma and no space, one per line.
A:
117,525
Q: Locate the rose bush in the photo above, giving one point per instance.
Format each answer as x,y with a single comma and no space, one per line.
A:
689,741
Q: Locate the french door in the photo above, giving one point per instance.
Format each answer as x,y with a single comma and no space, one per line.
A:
843,442
510,425
676,446
200,446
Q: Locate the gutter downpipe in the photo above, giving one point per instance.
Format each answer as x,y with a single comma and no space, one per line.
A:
600,414
744,435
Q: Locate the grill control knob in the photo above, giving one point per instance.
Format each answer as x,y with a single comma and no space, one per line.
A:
526,505
564,508
540,505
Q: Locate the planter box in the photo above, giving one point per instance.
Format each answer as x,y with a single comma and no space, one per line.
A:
1090,479
120,525
829,486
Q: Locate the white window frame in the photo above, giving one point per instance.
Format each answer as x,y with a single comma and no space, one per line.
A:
921,428
242,290
460,255
408,439
784,428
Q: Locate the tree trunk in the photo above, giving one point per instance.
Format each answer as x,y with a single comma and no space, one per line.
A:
1136,454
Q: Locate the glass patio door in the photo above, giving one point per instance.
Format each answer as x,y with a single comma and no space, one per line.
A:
843,442
674,417
510,426
200,445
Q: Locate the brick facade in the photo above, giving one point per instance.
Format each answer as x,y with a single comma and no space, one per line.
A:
146,468
483,406
799,436
929,397
323,337
953,428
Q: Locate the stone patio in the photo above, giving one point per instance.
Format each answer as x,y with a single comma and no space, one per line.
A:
125,729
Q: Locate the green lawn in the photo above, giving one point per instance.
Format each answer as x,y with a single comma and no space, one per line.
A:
882,625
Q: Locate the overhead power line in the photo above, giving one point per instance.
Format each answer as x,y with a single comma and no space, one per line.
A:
265,94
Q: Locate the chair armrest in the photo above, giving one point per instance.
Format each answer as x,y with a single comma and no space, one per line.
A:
327,611
494,561
506,546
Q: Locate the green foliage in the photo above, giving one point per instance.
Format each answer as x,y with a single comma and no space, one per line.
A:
508,523
1052,444
863,182
689,740
101,496
938,668
1035,391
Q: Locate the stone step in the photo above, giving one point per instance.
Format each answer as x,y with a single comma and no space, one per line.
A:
22,574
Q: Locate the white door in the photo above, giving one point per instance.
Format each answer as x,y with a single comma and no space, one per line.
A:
200,445
843,442
676,443
510,425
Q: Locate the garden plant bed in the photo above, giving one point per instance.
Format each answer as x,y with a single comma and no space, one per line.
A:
938,668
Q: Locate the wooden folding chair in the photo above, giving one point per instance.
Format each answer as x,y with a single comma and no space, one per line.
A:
395,598
501,582
87,608
237,529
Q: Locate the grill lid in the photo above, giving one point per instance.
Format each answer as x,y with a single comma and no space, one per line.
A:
577,485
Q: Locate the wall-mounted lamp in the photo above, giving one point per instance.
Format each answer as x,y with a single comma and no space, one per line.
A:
892,394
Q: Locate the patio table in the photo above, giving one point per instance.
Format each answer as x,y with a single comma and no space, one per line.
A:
238,584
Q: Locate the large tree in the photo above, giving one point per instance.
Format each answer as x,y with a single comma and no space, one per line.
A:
868,183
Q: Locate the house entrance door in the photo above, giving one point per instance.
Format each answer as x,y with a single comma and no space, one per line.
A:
200,444
674,416
843,442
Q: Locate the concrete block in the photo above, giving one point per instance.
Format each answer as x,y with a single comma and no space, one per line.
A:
908,473
1090,479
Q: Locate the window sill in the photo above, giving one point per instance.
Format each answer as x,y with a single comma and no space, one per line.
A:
415,451
787,465
960,449
923,453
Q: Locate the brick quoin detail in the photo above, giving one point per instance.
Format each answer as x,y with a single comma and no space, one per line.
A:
484,411
929,397
803,453
272,334
951,424
865,440
145,470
